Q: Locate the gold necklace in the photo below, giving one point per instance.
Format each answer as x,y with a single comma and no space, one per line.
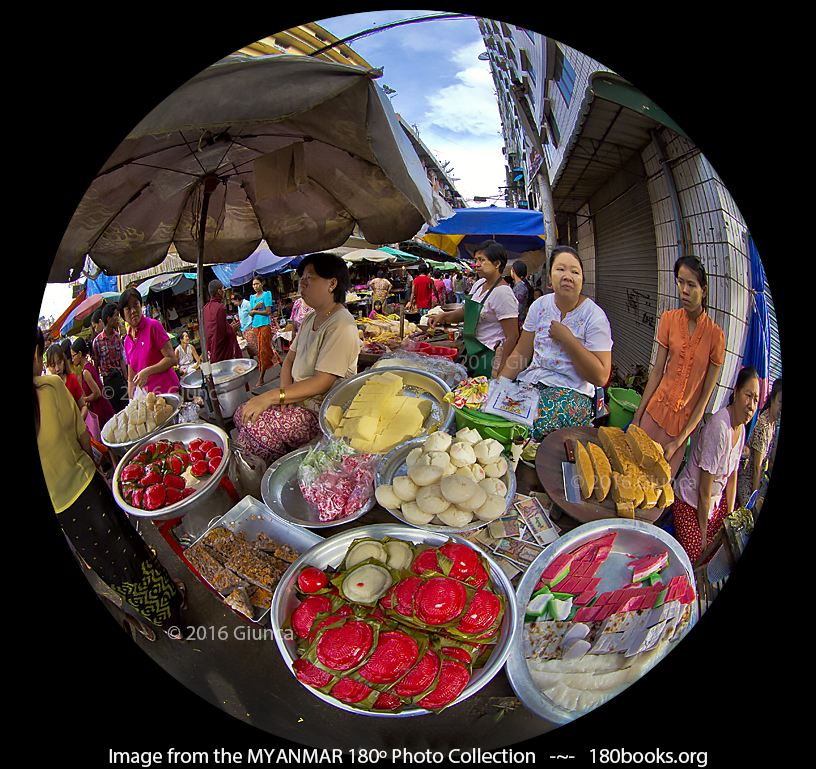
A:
327,316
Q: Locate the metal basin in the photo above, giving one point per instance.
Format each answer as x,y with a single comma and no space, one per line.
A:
229,379
184,433
418,384
331,553
121,448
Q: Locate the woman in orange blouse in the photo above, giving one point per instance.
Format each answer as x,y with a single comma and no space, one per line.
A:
691,349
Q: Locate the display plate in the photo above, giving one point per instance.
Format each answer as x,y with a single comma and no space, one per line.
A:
416,383
226,375
122,448
281,493
252,517
635,539
331,552
393,464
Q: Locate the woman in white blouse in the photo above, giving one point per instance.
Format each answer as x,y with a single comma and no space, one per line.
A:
565,348
490,313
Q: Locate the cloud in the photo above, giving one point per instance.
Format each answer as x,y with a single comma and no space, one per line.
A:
468,106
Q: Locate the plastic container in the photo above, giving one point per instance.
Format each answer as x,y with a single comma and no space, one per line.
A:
623,404
489,425
432,349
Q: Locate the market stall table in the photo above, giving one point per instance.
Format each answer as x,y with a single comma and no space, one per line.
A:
551,453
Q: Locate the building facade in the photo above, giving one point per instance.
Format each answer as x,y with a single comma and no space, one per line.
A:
629,191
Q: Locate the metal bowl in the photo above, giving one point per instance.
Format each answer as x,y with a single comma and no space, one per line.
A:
121,448
281,493
393,464
331,553
227,375
184,433
633,537
418,384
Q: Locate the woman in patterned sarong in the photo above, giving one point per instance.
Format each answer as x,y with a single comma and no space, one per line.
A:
261,314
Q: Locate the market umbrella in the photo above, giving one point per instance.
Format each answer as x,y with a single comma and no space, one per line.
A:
369,255
517,229
758,343
178,282
262,262
289,149
78,315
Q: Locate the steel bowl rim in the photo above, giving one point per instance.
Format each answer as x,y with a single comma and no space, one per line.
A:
219,386
327,401
176,510
494,664
129,444
322,525
511,484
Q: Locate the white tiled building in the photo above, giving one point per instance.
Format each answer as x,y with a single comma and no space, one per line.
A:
630,191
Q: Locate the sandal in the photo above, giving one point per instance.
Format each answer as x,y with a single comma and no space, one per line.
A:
144,630
183,590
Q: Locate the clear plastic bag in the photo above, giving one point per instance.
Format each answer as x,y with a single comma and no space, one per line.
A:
448,371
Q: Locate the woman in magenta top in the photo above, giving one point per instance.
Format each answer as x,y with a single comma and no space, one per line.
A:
148,349
92,387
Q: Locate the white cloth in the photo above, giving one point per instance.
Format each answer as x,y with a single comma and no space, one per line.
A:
551,365
500,305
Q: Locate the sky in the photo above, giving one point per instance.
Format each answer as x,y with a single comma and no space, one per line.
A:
442,89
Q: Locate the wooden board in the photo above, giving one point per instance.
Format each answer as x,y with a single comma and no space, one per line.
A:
551,453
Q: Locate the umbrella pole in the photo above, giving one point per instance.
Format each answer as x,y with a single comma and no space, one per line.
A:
210,183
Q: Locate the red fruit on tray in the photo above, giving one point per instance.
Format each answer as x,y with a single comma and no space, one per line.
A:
174,464
439,600
179,446
173,495
215,451
155,466
344,647
394,656
199,468
194,444
150,451
312,579
186,492
212,464
175,482
205,446
196,455
481,614
453,678
309,674
465,559
137,499
133,472
151,478
154,496
420,677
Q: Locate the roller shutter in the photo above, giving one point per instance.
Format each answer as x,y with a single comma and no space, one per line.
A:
626,276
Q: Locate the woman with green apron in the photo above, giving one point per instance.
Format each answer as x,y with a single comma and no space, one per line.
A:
490,313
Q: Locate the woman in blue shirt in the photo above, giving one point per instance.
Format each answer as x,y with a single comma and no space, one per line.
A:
261,314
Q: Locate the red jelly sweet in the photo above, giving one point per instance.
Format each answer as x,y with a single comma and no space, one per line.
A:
453,678
394,656
344,647
350,691
304,615
482,612
420,677
310,675
439,600
465,559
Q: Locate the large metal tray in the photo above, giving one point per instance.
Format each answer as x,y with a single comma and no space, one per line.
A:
393,464
416,383
252,517
635,539
281,493
331,553
184,432
121,448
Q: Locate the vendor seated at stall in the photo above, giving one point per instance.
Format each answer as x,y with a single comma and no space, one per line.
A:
187,355
706,488
565,348
324,350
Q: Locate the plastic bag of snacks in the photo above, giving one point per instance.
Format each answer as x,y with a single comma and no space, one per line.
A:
336,480
470,394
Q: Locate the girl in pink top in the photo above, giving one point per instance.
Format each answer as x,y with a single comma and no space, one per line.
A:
148,349
690,352
706,489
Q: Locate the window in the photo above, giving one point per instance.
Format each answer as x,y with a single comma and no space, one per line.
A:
564,75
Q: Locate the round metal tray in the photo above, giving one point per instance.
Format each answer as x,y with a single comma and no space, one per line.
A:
227,375
331,553
121,448
184,432
393,464
281,493
416,383
634,538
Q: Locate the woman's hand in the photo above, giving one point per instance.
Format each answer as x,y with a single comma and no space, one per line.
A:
253,408
436,319
671,448
140,380
560,333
